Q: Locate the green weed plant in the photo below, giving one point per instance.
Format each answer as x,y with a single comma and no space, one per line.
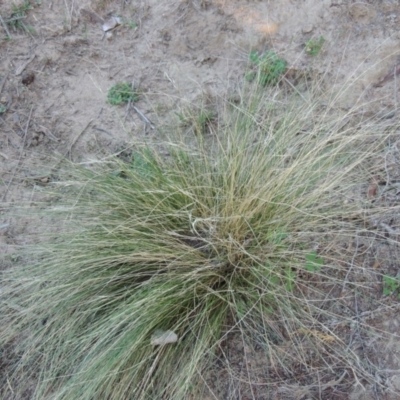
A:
269,68
19,12
391,285
122,93
314,46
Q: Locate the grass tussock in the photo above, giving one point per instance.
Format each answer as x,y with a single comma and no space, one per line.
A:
233,229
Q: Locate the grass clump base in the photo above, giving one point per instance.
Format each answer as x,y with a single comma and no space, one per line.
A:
232,232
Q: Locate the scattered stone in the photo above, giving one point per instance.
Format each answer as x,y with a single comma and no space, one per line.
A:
111,23
308,28
160,338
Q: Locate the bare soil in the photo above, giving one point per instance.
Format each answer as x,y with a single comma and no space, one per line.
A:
56,70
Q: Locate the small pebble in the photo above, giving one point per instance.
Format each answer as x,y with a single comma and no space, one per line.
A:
160,338
308,29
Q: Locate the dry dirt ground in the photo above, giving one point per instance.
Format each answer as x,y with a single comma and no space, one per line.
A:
58,65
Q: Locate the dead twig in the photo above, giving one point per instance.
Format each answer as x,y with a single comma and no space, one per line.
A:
389,229
48,133
5,27
27,30
16,18
76,139
128,106
371,314
3,82
20,156
102,130
388,77
21,68
143,117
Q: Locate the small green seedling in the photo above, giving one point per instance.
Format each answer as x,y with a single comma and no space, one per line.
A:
3,108
122,93
129,23
269,67
285,279
132,24
278,236
313,262
18,14
290,277
314,46
14,257
391,285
